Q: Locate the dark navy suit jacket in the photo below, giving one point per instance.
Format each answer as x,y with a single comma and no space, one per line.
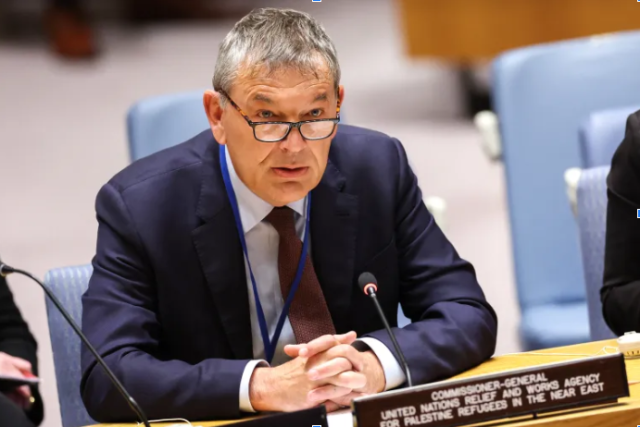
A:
167,305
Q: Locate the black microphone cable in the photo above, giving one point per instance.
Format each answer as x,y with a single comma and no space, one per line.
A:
369,286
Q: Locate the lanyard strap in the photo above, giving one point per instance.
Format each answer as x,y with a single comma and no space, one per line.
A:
269,345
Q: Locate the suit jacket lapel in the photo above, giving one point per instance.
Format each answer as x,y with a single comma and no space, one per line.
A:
334,218
220,252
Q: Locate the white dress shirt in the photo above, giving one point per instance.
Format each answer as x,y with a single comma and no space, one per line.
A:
262,247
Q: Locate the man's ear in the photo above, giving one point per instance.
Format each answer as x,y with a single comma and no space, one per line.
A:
341,94
214,111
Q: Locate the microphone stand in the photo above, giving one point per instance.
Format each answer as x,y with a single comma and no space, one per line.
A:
372,293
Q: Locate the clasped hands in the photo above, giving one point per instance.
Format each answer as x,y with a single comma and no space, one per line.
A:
327,370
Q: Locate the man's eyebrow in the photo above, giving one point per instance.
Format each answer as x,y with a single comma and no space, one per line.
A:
321,97
263,98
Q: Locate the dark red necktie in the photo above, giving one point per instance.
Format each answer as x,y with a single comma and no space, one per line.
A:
309,315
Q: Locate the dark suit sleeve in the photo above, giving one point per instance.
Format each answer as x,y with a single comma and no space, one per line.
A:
16,340
454,328
621,291
120,318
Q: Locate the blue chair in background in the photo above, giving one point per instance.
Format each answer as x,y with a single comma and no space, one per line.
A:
601,134
68,284
160,122
541,96
592,225
599,137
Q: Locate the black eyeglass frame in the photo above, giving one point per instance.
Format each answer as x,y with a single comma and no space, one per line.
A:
291,125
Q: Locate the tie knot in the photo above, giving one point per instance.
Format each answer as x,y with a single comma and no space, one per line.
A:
282,221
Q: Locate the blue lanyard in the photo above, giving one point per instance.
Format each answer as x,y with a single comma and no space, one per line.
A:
269,345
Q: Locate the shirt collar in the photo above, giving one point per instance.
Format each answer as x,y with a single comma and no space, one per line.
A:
252,208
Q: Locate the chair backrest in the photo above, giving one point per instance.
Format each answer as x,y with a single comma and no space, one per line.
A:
601,134
160,122
68,284
592,220
542,94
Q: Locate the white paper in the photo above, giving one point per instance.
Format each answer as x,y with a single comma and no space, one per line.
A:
342,418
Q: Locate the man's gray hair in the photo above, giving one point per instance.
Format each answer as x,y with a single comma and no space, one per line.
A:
274,39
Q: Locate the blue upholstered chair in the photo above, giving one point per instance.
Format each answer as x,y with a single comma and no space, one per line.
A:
592,219
601,134
542,94
68,284
162,121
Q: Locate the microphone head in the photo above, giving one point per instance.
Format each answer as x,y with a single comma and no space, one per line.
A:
5,269
367,281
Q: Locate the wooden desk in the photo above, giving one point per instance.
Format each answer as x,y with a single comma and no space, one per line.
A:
626,413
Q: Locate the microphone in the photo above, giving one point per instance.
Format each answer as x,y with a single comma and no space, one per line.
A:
369,285
5,270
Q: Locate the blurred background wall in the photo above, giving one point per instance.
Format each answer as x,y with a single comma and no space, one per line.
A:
62,134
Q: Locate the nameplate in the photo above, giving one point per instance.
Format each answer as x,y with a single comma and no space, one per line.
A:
507,394
306,418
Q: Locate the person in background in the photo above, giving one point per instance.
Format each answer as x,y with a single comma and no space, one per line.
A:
621,291
22,406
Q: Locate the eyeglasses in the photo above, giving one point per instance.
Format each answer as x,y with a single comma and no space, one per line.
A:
311,130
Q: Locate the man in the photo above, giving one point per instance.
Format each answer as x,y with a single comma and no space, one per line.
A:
19,406
201,245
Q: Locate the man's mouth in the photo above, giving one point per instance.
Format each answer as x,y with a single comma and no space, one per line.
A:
290,172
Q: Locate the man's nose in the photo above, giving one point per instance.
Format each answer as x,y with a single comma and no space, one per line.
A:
294,142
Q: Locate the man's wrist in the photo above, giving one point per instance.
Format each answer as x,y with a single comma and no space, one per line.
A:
394,375
258,389
376,381
245,382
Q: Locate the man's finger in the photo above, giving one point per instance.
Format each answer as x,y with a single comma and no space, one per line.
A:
350,353
292,350
345,401
332,406
329,369
324,343
349,379
327,392
344,351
